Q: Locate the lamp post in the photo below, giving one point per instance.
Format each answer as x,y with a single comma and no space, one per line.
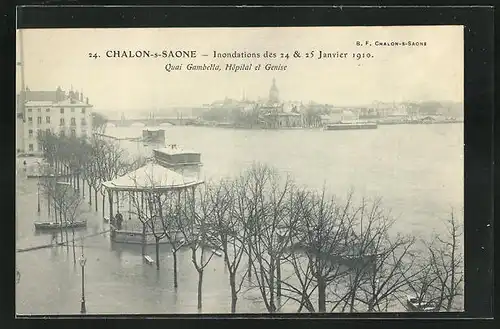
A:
82,261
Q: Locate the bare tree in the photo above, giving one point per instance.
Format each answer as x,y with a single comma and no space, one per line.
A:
268,230
195,228
386,260
421,287
139,209
252,202
230,228
323,243
71,204
172,210
93,170
99,123
111,163
159,210
446,260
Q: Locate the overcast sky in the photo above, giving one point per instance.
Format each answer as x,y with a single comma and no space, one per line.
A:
59,57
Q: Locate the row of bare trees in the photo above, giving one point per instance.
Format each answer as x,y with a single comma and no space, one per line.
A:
281,243
81,161
287,245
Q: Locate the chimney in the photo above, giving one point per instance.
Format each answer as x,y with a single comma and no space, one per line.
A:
81,97
87,100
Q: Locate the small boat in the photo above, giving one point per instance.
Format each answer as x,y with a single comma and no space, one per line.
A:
52,225
217,252
415,305
148,259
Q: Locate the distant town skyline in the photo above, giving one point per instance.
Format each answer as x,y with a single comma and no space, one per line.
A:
60,57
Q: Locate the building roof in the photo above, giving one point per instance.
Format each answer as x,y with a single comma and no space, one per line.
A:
64,103
174,149
70,103
48,96
151,176
39,103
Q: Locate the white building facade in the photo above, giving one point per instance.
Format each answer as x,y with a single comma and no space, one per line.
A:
64,114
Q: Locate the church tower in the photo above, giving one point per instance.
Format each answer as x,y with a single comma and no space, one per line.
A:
274,93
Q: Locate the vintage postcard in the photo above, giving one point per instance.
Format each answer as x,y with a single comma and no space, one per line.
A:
240,170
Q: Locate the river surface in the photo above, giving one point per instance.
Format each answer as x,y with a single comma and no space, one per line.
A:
416,169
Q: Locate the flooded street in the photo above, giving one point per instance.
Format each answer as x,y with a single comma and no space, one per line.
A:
416,169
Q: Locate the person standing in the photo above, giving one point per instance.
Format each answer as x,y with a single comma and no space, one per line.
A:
119,220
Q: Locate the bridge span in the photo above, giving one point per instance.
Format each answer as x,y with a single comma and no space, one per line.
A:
154,122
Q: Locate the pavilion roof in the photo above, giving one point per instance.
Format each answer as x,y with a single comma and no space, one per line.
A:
151,176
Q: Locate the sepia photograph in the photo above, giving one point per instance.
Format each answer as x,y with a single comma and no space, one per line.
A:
239,170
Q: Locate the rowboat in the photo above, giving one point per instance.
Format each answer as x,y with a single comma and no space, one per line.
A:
148,259
53,225
217,252
416,305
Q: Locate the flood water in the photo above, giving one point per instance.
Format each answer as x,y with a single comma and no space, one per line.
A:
416,169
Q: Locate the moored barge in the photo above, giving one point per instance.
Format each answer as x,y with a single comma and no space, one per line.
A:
351,126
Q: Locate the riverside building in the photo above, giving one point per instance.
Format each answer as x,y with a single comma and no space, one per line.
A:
59,112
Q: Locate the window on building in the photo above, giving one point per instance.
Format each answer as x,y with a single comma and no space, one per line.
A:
83,110
30,133
38,132
39,147
30,147
47,110
47,130
29,110
62,110
62,133
39,120
72,109
47,119
73,132
30,120
73,121
84,122
39,110
61,121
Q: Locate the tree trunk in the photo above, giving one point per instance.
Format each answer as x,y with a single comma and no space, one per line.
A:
249,258
272,269
103,204
66,231
48,204
110,202
143,239
175,269
352,297
74,251
95,199
321,295
90,195
278,277
83,188
157,240
234,294
200,285
62,223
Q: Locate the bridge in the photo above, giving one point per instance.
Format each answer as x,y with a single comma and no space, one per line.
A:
149,122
